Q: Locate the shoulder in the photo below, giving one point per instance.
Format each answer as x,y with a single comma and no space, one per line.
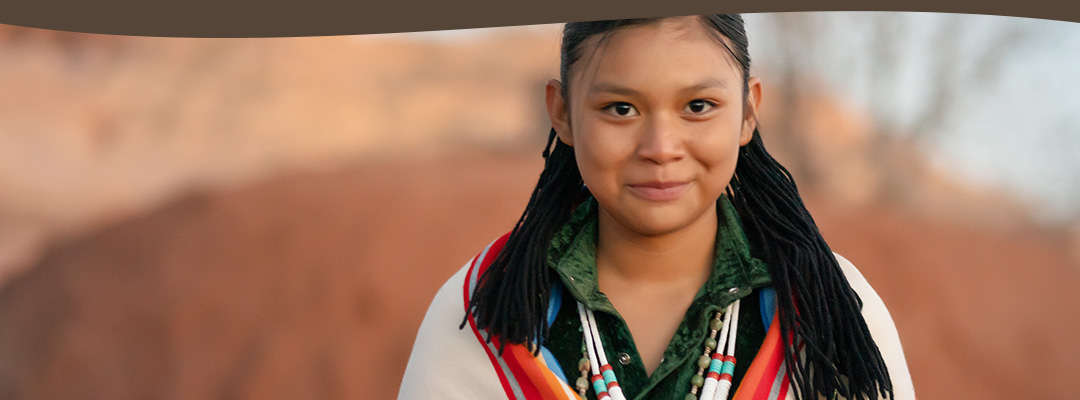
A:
448,362
881,328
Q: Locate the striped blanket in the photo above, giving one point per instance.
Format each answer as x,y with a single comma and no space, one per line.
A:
452,363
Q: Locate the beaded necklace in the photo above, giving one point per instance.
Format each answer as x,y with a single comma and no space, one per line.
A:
714,385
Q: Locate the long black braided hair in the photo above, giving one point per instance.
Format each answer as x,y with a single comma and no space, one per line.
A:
822,311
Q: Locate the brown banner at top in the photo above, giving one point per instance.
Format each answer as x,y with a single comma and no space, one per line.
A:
247,18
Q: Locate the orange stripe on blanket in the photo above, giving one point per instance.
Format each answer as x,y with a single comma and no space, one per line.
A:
533,375
759,378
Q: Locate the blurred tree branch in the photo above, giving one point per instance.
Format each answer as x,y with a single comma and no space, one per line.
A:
810,45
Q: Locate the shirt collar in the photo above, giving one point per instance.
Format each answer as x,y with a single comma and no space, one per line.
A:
573,256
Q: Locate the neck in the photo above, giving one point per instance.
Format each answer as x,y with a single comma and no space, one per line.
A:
681,258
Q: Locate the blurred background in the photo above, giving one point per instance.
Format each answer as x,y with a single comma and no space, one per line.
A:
269,218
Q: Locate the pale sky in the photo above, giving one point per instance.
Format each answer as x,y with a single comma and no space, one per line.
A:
1019,132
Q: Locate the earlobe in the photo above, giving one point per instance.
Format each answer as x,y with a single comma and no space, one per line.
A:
557,112
753,100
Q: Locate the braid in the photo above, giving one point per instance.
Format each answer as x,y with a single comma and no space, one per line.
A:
823,312
511,297
815,303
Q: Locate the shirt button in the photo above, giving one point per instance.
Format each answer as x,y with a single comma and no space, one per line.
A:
624,359
733,290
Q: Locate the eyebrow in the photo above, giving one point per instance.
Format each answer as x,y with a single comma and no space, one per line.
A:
605,87
708,84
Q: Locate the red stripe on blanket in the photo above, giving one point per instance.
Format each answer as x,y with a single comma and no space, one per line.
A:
534,379
480,265
524,365
764,368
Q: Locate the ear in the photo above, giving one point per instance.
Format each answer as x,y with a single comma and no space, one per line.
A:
556,107
753,100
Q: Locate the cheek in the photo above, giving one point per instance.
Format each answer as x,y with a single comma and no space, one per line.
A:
718,153
600,154
589,164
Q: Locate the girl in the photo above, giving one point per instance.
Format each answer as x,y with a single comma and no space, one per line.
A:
664,254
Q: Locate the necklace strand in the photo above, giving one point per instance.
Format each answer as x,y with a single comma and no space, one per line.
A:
713,386
604,382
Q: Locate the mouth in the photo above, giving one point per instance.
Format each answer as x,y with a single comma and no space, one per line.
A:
659,191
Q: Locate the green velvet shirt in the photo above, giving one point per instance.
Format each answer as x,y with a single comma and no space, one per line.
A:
735,274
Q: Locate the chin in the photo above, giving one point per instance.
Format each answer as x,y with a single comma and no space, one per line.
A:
652,219
659,224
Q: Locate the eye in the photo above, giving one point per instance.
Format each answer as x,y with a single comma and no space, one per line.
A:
621,109
699,106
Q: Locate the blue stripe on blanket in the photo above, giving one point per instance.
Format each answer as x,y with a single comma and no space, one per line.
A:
768,305
554,304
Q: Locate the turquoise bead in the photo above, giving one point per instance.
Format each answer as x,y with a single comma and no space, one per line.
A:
704,361
717,366
599,386
609,376
728,368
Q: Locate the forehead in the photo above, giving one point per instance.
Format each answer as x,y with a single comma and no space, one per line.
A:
682,45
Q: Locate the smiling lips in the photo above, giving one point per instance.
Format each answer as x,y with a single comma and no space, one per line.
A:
659,191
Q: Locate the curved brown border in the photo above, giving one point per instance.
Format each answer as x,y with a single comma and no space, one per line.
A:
248,18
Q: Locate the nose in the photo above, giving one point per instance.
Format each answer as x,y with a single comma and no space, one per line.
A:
660,140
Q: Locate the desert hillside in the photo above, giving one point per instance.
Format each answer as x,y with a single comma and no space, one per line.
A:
313,285
269,218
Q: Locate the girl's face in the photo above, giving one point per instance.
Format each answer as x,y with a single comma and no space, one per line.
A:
655,117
